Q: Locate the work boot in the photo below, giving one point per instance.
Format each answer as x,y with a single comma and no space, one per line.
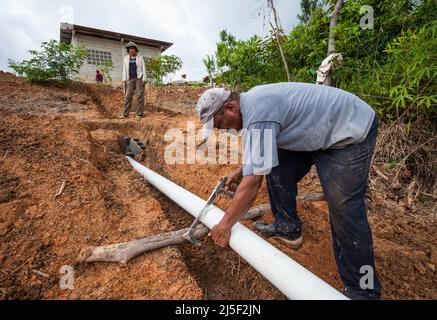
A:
138,117
292,239
355,294
122,117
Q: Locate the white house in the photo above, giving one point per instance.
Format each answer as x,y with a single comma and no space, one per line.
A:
107,45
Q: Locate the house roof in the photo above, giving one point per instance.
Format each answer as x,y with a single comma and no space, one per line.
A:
66,34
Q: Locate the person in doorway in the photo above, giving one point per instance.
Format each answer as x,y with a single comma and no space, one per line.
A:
288,128
133,80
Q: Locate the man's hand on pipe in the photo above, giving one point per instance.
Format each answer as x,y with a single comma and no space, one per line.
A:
234,180
244,197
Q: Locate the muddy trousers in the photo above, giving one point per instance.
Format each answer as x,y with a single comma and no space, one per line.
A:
343,175
134,85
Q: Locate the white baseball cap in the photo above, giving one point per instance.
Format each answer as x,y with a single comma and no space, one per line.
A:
209,103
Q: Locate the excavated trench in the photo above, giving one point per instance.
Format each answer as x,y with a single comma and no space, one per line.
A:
220,273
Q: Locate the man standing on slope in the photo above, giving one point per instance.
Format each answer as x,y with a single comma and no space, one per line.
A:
133,80
293,126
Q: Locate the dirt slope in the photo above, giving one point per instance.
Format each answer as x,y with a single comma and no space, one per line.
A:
49,135
104,202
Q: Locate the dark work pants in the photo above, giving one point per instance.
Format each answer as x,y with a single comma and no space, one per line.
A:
134,85
343,175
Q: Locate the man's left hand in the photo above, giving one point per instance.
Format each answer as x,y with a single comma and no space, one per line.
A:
221,235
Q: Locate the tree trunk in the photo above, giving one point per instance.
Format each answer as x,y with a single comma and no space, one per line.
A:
271,5
211,82
124,252
331,43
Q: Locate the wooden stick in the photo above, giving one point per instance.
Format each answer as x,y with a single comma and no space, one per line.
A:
261,210
311,197
379,173
61,189
4,158
42,274
124,252
257,212
411,197
429,195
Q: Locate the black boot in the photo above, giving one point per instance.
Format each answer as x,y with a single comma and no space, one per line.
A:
292,239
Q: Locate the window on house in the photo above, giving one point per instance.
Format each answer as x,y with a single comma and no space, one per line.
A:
96,57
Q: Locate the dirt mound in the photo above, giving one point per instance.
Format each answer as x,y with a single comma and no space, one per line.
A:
104,202
46,140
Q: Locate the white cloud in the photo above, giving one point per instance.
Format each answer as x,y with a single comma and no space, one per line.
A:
192,25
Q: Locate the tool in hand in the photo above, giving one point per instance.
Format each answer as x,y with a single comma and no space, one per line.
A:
228,194
189,235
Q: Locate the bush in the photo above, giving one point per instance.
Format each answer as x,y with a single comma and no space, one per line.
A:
56,61
159,70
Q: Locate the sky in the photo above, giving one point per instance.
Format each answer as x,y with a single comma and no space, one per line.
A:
192,25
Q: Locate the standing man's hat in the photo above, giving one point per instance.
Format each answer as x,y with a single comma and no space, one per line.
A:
209,103
132,45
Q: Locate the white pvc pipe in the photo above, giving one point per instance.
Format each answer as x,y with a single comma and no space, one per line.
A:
288,276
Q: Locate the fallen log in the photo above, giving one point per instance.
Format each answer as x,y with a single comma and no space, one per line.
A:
311,197
257,212
124,252
261,210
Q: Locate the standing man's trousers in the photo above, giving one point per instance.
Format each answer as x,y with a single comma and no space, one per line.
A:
343,175
134,85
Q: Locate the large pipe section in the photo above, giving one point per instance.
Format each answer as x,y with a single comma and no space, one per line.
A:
288,276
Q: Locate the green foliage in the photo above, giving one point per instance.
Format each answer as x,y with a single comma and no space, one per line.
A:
392,67
307,7
160,69
210,66
56,61
243,64
105,68
412,57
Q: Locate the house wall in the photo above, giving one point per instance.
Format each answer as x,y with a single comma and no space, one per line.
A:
118,51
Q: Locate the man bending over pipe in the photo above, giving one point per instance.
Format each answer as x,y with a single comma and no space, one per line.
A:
293,126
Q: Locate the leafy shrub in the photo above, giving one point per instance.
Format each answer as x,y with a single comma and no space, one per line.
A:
56,61
159,70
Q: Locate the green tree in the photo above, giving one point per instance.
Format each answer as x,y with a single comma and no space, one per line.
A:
392,66
56,61
241,64
160,69
307,7
210,66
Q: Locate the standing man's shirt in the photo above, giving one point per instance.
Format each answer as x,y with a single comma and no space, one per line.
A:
133,68
140,68
299,117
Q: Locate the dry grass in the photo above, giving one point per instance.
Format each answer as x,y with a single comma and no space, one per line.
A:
405,151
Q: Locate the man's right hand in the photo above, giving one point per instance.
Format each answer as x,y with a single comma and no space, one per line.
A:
234,180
